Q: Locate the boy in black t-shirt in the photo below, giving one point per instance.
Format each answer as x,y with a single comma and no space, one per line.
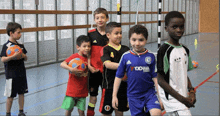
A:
15,72
111,56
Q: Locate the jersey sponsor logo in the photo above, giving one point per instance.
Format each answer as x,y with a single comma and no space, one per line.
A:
148,60
177,59
112,55
94,41
107,108
140,68
128,62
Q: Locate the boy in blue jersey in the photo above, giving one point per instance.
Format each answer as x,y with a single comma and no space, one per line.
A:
173,62
139,65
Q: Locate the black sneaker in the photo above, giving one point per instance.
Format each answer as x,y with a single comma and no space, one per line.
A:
21,114
8,114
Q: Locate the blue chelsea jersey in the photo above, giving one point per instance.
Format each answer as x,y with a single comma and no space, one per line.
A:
140,69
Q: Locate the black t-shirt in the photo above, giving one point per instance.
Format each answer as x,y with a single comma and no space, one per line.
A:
114,55
14,68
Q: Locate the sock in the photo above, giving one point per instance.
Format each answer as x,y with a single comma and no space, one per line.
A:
8,114
21,111
91,108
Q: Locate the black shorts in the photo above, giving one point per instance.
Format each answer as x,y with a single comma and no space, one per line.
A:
15,86
106,101
95,80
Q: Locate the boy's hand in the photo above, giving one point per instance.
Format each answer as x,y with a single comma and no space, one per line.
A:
187,101
115,102
92,69
17,55
76,71
192,96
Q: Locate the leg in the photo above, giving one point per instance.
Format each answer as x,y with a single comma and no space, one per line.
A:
118,113
68,112
21,101
155,112
81,113
9,104
95,79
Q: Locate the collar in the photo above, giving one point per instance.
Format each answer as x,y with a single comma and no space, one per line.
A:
135,53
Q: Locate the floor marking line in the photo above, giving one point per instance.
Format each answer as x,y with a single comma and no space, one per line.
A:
200,84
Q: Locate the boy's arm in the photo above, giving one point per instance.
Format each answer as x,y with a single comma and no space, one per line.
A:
117,83
192,93
73,70
8,58
111,65
156,85
91,68
172,92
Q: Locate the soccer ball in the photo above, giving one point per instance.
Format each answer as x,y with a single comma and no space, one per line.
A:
77,62
195,64
12,49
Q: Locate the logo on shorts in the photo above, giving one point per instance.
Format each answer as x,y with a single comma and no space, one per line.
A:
148,60
107,108
156,102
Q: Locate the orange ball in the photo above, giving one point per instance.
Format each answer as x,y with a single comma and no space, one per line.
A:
77,62
195,64
12,49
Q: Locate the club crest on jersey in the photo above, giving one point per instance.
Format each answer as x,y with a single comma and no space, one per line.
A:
107,108
112,55
94,41
148,60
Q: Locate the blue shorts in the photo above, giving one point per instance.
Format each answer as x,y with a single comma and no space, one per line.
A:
140,106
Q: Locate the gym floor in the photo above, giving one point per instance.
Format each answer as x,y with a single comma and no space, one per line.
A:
47,84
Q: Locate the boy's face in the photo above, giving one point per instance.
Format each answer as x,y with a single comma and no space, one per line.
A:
84,48
175,28
138,41
100,20
115,36
16,35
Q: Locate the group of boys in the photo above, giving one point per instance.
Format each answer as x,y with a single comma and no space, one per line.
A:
108,62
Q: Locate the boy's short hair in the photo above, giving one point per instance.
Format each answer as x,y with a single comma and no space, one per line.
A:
138,29
172,14
81,39
12,26
101,10
110,26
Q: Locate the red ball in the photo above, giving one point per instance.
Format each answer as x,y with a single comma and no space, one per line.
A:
12,49
78,62
195,64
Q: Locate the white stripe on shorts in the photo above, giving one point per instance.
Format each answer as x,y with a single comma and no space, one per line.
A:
180,113
8,88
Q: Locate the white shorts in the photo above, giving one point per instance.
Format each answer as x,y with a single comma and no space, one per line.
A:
180,113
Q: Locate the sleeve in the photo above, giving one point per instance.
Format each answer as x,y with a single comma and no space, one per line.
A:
121,68
160,62
3,53
106,55
190,66
24,50
153,66
70,58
